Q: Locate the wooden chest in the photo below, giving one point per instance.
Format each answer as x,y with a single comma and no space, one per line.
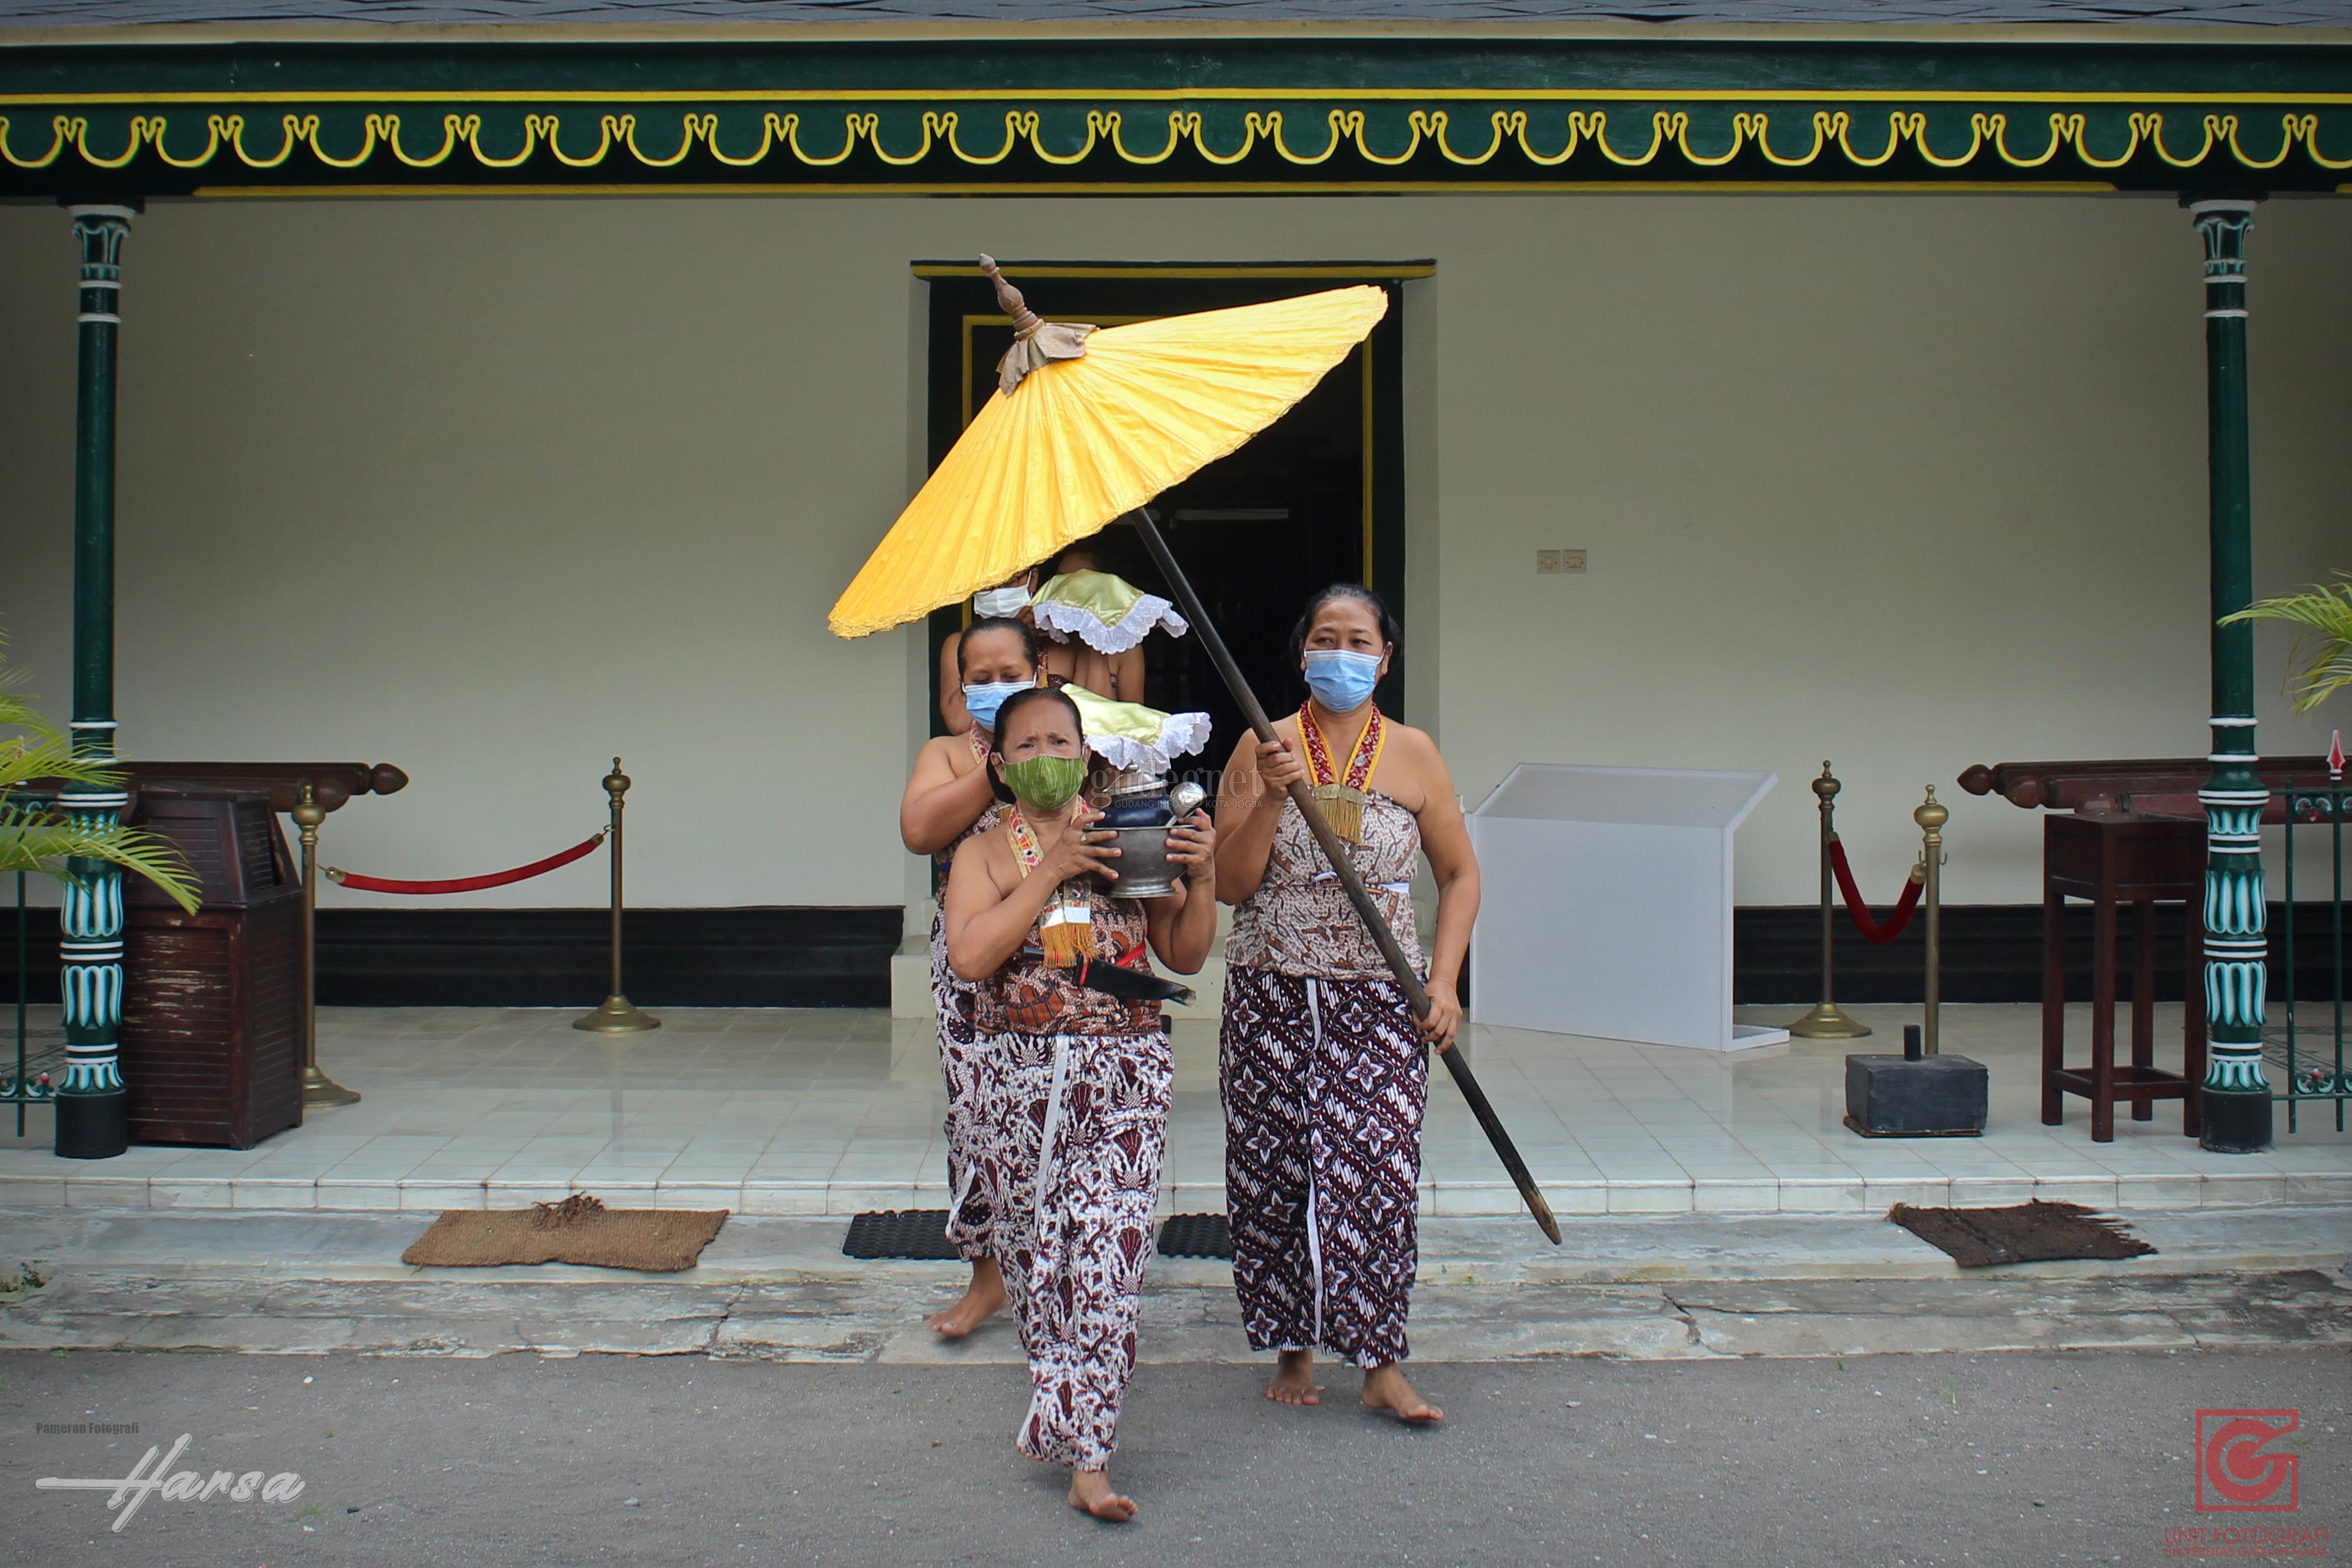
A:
212,1021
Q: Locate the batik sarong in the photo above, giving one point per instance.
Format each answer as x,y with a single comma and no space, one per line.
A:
1072,1171
969,1219
953,1001
1324,1083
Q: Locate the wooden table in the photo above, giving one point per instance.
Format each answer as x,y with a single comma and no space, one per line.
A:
2111,859
2127,784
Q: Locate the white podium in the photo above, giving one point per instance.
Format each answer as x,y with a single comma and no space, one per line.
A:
1607,906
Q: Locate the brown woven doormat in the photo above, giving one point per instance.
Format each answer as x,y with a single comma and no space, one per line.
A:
2034,1232
580,1229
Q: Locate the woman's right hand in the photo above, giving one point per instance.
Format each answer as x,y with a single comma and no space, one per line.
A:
1278,768
1082,852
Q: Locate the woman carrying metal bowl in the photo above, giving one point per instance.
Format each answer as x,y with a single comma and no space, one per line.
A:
1073,1072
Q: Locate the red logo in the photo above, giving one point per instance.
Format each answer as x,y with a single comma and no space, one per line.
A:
2234,1475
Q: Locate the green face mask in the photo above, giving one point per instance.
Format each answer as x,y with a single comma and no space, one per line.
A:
1048,783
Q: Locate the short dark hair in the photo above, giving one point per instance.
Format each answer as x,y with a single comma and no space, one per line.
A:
1390,632
1013,705
1014,625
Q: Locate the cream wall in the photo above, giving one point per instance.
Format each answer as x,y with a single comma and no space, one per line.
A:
495,489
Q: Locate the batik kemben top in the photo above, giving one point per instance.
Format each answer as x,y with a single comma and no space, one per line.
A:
1029,996
1299,920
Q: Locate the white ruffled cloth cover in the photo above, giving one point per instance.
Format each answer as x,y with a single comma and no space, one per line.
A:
1108,614
1131,736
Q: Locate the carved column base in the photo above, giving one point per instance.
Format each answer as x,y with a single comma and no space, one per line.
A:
2234,1124
93,1126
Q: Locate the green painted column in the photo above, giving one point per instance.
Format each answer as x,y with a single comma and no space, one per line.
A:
2235,1103
93,1110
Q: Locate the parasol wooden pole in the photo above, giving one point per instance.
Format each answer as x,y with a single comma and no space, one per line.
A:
1334,852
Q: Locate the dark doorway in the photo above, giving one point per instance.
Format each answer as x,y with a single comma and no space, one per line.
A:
1315,499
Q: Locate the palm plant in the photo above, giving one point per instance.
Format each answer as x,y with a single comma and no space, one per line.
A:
2325,611
35,836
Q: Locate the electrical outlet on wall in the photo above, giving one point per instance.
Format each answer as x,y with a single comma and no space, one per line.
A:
1572,560
1548,562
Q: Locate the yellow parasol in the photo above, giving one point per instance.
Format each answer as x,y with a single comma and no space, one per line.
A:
1088,425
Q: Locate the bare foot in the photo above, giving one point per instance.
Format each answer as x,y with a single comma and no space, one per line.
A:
980,1302
1090,1493
1293,1380
1386,1389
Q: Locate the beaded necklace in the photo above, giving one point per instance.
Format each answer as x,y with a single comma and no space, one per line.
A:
1343,799
1066,929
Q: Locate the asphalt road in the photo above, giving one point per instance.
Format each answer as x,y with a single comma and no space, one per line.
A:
2053,1457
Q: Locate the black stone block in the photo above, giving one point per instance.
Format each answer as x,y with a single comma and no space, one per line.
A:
1933,1097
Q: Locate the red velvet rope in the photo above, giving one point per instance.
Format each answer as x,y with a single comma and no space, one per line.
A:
1897,923
467,884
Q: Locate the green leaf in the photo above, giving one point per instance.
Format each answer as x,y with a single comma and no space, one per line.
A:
2321,663
35,837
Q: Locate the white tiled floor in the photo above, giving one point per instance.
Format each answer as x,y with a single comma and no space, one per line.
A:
815,1112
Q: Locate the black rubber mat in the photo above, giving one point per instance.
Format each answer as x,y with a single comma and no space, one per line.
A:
921,1233
1195,1236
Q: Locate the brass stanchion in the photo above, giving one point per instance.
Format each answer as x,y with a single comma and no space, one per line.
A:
1921,1093
317,1088
618,1015
1828,1021
1931,816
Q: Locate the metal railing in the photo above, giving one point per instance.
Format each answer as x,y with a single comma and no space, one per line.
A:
2313,1075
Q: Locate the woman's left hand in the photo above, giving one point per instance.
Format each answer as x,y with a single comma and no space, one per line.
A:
1444,1015
1192,845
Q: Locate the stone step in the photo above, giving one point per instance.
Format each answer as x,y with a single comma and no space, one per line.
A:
58,1184
779,1290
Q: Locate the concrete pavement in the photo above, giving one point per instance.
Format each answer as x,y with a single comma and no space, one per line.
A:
1657,1288
1734,1463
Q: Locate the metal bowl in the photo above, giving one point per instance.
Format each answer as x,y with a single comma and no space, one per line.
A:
1143,866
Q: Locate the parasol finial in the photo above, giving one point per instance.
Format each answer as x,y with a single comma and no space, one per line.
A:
1025,321
1036,341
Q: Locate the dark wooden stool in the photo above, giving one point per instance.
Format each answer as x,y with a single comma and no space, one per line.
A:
2112,859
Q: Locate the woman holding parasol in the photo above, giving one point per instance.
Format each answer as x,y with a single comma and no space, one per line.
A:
1322,1065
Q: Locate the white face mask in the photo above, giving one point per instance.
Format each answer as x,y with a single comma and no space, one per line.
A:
999,601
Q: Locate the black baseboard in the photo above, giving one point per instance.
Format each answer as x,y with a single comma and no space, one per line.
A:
758,957
806,957
761,957
1991,952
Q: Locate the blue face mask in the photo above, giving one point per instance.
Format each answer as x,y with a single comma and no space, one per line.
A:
982,701
1341,681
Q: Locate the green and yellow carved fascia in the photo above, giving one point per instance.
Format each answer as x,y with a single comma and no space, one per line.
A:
1214,115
